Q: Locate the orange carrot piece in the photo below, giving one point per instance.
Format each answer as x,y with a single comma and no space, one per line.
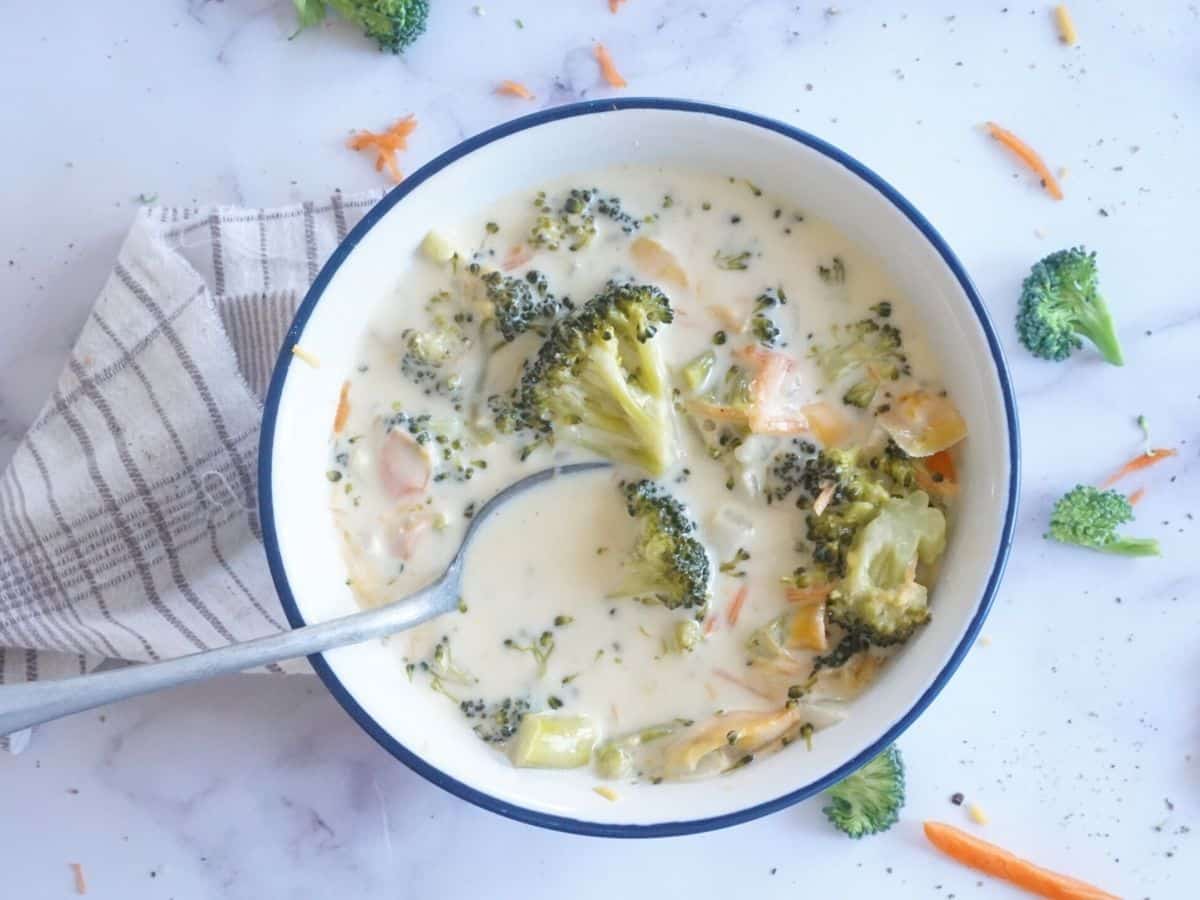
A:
614,5
1139,462
710,625
739,600
343,409
1028,156
80,881
514,89
998,862
518,255
608,68
385,144
727,317
1136,497
942,463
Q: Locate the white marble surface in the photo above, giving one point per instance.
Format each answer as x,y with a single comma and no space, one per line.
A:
1075,727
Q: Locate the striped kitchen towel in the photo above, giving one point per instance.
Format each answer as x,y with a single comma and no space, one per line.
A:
128,515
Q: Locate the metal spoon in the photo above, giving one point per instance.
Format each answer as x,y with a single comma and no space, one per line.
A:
42,701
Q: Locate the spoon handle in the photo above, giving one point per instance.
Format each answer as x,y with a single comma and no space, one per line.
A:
24,705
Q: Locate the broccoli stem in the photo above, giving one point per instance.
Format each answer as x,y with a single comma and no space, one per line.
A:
1095,323
1133,547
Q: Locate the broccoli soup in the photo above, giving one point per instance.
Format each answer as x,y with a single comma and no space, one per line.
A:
782,479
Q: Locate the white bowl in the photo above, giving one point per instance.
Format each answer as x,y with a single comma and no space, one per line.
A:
303,549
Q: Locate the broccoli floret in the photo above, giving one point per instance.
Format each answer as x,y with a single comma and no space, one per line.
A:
1060,302
880,598
868,801
855,494
519,304
495,722
786,472
668,563
870,350
1089,517
573,224
394,24
762,326
599,378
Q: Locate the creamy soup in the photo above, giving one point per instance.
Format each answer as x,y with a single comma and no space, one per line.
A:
782,471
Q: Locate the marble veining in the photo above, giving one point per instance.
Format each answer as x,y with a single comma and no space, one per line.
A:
1073,724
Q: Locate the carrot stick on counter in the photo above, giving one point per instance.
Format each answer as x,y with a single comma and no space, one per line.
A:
998,862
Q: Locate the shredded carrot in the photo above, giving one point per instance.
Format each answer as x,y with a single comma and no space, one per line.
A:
514,89
710,625
385,144
614,5
1066,25
343,409
823,498
1136,497
608,68
733,679
766,416
80,881
1028,156
739,600
727,317
1139,462
813,594
518,255
998,862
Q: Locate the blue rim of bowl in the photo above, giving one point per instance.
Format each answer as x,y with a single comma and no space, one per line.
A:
564,823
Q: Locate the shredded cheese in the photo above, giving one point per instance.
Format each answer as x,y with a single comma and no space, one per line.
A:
978,816
607,793
1066,25
302,354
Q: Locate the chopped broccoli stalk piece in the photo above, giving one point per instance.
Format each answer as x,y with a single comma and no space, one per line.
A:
613,760
1089,517
394,24
495,722
518,303
685,636
868,801
697,372
668,563
1060,303
436,248
880,597
870,351
762,326
547,741
600,380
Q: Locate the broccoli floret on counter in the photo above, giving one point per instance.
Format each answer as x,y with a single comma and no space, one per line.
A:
394,24
1089,517
599,379
495,722
668,564
518,304
868,801
871,351
1060,303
